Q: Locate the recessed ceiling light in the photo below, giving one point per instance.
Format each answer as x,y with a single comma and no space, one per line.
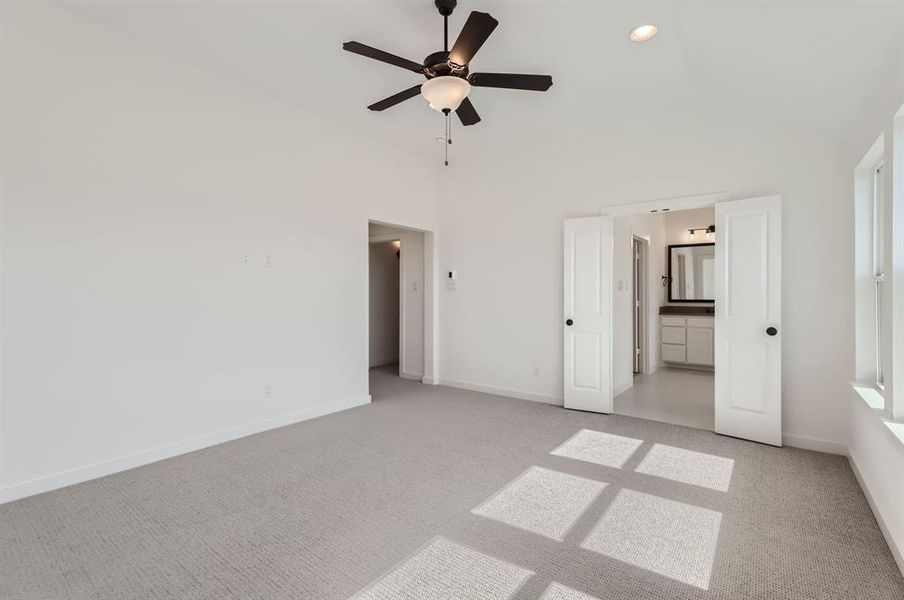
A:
642,33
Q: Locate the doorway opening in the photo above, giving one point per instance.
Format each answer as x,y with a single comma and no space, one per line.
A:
663,299
385,275
714,346
399,306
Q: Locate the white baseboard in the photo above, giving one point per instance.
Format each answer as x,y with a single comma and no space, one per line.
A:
430,380
896,552
411,376
130,461
500,391
805,443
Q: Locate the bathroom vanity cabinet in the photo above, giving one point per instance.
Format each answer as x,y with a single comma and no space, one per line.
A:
687,340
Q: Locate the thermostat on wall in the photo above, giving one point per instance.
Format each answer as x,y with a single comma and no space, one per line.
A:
450,279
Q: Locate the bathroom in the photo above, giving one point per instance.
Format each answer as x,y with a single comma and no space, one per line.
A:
664,316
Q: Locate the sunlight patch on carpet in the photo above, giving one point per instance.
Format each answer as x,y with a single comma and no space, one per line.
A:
673,539
687,466
557,591
542,501
443,569
599,448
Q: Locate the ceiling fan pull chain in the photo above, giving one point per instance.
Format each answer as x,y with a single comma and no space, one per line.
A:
448,135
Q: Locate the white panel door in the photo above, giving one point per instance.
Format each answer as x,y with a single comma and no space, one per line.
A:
587,323
748,334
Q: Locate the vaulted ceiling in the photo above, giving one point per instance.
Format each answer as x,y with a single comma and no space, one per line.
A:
801,64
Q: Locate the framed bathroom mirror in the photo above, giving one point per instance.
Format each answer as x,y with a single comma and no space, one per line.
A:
692,272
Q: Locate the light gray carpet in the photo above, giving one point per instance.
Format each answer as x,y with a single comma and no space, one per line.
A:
431,492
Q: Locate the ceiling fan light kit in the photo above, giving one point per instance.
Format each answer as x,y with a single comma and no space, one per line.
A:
445,93
449,80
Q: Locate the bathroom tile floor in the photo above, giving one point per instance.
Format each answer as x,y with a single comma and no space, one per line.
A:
671,395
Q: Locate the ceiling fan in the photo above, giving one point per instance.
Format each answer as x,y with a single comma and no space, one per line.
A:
448,79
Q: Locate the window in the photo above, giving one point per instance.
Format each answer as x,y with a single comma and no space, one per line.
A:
894,307
878,260
872,293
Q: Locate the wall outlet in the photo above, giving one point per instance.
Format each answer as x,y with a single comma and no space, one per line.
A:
536,371
268,391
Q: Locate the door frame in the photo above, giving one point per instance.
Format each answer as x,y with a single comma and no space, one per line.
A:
641,330
634,209
430,375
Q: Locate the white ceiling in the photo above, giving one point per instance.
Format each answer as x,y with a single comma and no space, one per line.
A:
805,64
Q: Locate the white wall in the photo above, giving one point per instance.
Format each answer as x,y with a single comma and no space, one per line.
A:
183,260
875,453
501,322
383,326
877,457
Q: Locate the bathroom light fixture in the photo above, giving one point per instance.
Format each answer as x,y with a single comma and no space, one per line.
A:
709,231
643,33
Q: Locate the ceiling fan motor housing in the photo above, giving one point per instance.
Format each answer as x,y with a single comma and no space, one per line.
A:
445,7
437,65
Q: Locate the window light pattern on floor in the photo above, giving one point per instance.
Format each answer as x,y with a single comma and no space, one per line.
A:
557,591
542,501
599,448
687,466
442,570
673,539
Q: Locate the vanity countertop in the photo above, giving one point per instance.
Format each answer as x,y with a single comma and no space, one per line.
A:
672,309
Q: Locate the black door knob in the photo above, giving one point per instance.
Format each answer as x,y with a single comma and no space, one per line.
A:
569,322
771,331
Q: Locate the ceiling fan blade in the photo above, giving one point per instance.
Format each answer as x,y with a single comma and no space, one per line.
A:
466,113
477,29
396,98
512,81
359,48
